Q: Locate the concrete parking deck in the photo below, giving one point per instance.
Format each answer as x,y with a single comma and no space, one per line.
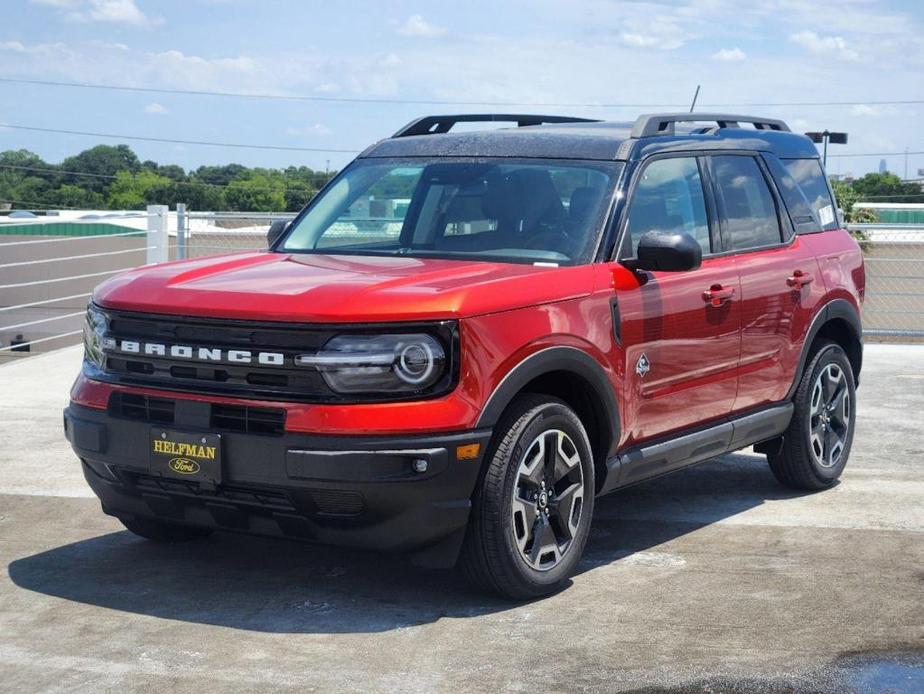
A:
714,578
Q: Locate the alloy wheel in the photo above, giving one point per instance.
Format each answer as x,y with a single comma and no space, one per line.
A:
829,418
548,496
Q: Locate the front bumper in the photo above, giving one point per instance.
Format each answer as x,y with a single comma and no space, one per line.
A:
351,491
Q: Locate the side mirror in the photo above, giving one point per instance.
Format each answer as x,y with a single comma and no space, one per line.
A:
674,251
276,230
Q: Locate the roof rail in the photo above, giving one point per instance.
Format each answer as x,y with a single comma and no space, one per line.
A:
437,125
652,124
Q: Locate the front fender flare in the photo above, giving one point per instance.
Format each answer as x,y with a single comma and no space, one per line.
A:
568,359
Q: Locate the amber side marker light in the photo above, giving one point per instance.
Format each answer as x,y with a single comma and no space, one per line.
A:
469,451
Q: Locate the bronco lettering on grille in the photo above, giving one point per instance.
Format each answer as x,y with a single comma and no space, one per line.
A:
210,354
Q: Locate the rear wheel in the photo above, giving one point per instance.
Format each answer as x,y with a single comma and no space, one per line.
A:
160,531
816,445
531,515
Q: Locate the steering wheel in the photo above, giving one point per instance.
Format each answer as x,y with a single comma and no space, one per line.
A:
550,239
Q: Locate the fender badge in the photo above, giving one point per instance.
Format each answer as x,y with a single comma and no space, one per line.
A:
643,366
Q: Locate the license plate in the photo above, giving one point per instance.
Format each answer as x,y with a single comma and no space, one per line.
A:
183,455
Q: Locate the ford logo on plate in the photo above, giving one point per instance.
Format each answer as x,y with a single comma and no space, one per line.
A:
183,466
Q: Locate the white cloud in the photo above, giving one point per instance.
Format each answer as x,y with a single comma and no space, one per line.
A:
108,11
864,110
318,129
327,88
729,55
417,26
830,45
61,4
664,43
156,109
14,46
391,60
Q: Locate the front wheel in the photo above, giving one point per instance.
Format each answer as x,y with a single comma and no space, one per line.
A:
816,445
531,514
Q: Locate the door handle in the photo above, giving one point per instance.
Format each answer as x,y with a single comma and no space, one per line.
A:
717,295
799,279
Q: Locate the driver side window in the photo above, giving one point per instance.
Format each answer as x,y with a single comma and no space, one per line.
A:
668,197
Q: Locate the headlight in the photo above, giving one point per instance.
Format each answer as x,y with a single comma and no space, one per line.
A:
377,363
94,331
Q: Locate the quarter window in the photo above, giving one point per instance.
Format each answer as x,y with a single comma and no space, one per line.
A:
810,177
747,205
668,197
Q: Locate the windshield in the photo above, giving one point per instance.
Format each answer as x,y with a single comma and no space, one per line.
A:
513,211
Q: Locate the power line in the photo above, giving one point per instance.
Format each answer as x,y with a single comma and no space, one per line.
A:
874,154
40,205
143,138
430,102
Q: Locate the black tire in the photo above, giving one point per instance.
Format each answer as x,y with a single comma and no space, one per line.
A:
492,557
160,531
796,463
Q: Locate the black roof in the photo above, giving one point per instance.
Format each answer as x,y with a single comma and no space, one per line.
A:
558,137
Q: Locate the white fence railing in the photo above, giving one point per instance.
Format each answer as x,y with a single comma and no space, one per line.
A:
47,275
50,264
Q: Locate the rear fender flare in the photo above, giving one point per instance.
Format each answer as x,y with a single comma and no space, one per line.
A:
836,309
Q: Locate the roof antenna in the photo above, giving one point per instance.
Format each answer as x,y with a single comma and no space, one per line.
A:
695,96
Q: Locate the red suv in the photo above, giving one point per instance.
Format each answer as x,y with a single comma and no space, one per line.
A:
466,337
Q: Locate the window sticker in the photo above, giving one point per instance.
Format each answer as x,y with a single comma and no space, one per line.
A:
826,214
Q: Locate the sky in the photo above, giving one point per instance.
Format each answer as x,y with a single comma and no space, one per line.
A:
596,58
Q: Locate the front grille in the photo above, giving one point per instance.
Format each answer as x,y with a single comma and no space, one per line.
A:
248,420
334,502
246,496
241,419
280,381
311,502
235,358
142,407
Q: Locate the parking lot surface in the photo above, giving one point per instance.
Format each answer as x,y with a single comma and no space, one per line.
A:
711,579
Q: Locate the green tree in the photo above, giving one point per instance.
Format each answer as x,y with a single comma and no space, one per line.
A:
220,175
134,191
297,195
103,161
886,187
75,196
257,193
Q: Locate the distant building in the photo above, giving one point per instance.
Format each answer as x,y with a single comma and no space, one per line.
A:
883,167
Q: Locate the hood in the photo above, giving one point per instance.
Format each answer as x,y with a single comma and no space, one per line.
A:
338,288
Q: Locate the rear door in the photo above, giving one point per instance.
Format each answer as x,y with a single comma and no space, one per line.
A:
780,279
679,330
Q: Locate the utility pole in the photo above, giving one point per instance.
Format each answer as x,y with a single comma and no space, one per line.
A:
906,164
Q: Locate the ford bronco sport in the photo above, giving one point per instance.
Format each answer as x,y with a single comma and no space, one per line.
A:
468,336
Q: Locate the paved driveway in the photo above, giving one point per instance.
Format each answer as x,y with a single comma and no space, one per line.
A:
712,578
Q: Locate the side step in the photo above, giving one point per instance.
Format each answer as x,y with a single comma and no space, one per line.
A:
656,458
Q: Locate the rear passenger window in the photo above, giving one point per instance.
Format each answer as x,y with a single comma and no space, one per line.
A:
810,177
746,203
668,197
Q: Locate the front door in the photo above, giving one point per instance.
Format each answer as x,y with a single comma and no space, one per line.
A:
680,331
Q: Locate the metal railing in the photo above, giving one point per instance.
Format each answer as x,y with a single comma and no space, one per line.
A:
46,278
49,266
207,233
894,256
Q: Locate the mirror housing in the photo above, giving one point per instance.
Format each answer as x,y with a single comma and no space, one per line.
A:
277,229
674,251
